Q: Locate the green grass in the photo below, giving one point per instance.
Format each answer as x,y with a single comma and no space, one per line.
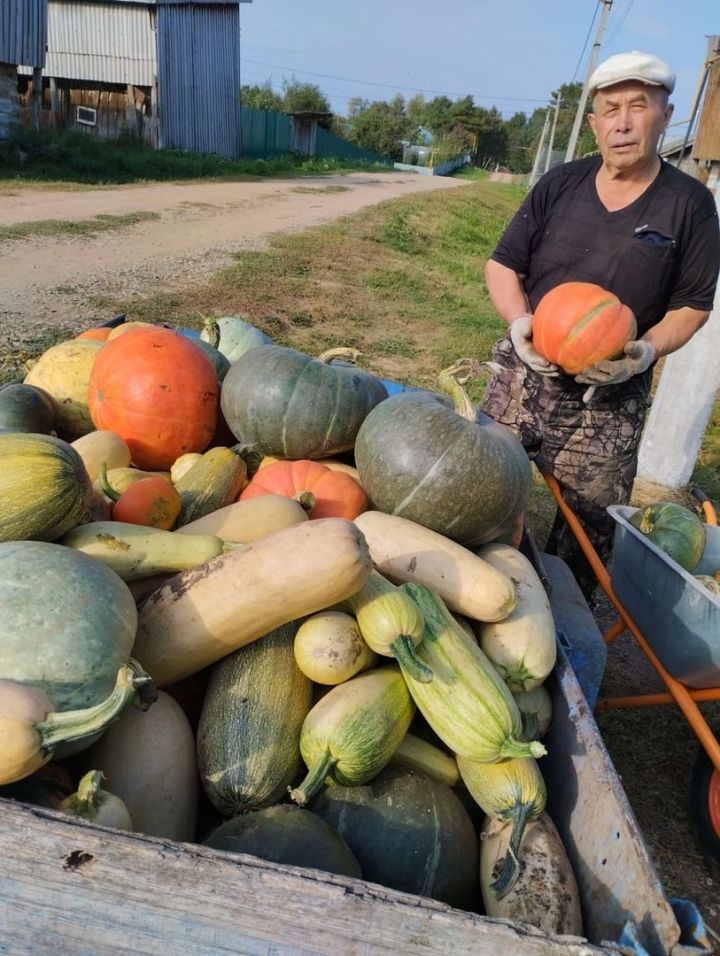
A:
74,160
82,227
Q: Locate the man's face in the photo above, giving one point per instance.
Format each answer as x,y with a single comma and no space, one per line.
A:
627,120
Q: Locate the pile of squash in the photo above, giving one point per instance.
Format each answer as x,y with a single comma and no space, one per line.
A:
250,600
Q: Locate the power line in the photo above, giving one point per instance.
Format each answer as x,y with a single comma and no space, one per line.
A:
617,29
396,86
582,53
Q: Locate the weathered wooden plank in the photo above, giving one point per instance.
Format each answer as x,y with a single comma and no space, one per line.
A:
68,887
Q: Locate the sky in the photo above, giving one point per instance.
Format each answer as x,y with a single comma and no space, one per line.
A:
510,54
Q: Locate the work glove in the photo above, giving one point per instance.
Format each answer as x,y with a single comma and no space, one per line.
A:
639,356
521,338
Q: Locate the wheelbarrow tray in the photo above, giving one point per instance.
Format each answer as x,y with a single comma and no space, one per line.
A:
677,615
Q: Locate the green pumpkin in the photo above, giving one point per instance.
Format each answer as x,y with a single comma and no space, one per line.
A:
221,363
67,622
44,487
26,408
285,834
408,832
233,336
449,469
293,406
674,529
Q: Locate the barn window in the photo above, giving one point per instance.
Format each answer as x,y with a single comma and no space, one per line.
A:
86,116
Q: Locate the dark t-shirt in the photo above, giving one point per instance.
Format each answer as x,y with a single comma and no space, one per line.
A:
661,252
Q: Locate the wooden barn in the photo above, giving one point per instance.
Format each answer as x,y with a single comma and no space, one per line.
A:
23,37
164,71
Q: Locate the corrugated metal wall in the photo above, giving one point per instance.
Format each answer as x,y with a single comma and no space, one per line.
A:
265,133
198,51
23,32
101,42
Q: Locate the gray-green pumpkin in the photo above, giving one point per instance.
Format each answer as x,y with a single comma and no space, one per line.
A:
448,468
67,622
293,406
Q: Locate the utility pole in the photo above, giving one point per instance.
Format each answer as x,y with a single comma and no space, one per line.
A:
592,63
538,154
548,158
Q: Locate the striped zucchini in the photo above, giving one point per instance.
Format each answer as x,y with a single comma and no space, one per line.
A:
512,790
353,731
467,703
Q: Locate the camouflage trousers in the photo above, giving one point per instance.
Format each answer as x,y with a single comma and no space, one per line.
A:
590,449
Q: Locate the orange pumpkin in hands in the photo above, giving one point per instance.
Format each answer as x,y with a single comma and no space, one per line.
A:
578,324
158,391
153,502
324,493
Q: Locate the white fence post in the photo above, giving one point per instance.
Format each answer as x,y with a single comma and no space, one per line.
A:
681,410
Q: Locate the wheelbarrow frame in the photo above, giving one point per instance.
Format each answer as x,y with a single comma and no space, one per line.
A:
687,699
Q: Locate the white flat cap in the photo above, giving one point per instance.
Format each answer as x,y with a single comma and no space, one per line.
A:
643,67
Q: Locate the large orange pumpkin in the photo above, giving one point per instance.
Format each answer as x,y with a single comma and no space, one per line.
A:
578,324
335,493
158,391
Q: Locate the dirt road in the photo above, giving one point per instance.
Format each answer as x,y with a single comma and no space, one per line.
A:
47,281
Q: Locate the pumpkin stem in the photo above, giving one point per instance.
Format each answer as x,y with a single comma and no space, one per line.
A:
84,802
520,816
403,650
65,726
517,748
306,500
314,780
350,355
452,380
212,331
105,486
250,454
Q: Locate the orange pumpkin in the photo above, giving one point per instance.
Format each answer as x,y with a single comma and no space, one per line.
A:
97,335
334,493
578,324
153,502
158,391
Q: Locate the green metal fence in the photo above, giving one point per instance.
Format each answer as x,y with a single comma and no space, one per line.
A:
266,133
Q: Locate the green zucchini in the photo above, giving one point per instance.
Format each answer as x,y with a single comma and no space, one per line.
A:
248,740
512,790
467,703
213,482
354,730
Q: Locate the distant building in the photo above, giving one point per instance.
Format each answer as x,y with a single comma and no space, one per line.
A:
165,71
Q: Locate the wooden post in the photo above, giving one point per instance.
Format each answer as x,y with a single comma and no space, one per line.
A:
680,412
36,96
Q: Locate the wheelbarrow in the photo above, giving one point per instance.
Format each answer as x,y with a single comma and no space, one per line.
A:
675,621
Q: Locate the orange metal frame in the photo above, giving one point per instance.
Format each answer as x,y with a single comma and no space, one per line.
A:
685,698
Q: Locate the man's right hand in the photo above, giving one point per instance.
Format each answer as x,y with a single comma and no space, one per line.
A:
521,338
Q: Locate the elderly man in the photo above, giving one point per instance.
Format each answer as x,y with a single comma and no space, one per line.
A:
627,221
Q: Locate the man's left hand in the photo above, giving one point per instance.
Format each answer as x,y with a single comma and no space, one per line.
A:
639,356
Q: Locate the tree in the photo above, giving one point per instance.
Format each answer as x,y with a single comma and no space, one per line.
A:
260,97
305,97
380,126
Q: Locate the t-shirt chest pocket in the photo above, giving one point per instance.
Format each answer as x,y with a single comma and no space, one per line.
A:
578,250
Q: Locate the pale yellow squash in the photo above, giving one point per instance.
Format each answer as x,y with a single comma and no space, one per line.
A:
330,649
251,520
64,372
407,552
204,614
102,447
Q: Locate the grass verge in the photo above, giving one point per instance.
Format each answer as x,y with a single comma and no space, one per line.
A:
82,227
75,160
